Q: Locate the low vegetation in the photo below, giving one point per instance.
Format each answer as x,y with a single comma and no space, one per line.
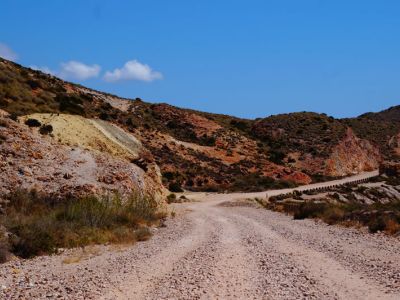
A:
172,198
32,123
305,132
37,224
175,187
46,129
377,217
255,182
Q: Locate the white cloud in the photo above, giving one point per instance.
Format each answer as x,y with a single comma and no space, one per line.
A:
44,69
7,53
133,70
78,70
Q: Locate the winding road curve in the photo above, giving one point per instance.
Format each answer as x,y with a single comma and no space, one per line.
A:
220,247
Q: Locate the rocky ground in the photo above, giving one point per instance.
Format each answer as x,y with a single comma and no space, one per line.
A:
216,248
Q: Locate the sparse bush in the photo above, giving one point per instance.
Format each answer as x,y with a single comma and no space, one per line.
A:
143,234
175,187
171,198
376,224
377,217
4,246
32,237
207,140
333,214
276,156
3,138
70,104
258,182
309,210
104,116
392,227
241,125
4,253
14,116
33,123
46,129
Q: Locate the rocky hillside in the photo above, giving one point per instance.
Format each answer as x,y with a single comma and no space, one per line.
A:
29,158
391,114
203,151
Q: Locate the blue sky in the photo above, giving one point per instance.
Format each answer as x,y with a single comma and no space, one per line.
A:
244,58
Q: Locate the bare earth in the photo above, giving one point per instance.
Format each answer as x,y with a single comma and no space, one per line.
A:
220,248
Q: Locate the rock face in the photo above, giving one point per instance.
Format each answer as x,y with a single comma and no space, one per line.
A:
91,134
30,160
352,155
394,145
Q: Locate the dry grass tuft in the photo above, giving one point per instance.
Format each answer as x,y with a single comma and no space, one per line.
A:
392,227
82,254
72,260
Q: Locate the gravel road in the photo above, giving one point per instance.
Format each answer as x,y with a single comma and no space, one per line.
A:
218,248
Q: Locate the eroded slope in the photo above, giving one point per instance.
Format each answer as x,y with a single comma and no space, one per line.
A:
31,160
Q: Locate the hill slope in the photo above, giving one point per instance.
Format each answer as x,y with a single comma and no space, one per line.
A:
30,159
204,151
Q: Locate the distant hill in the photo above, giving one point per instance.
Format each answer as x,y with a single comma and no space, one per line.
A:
391,114
205,151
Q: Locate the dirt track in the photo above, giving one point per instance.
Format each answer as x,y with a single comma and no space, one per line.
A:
220,249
